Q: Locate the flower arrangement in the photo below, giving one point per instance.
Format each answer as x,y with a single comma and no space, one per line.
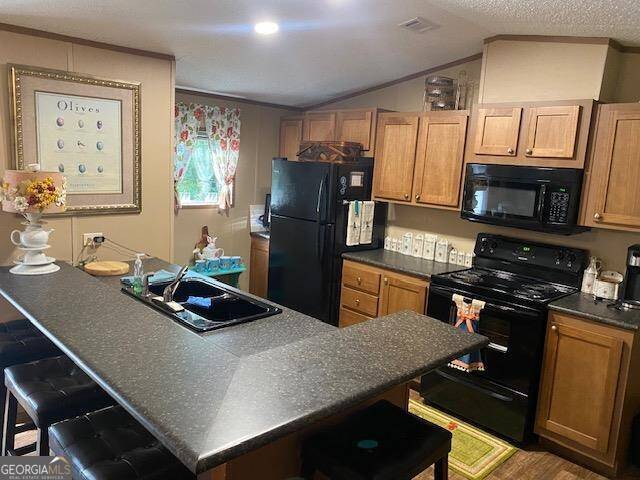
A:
34,194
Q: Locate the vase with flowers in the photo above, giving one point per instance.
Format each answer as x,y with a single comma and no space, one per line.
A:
32,193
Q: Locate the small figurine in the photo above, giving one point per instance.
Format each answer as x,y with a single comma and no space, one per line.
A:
205,248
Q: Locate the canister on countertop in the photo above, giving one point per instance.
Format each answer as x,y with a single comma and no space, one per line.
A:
429,249
418,245
461,258
442,250
407,243
453,256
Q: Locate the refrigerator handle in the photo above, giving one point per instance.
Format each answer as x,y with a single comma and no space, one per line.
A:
320,241
320,187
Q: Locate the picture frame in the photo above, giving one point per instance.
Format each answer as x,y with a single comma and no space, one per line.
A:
83,126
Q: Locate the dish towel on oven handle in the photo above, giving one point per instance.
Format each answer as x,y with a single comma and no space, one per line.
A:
354,221
467,320
366,228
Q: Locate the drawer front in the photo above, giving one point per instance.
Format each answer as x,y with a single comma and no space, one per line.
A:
360,301
361,278
348,317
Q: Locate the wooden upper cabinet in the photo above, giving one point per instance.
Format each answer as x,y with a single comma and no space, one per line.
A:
497,131
396,141
536,134
551,131
440,158
400,292
612,192
290,136
579,384
320,126
356,126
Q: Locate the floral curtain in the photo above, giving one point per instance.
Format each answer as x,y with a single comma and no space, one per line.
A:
222,127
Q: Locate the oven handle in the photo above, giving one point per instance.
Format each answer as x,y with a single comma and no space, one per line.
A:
448,292
486,391
497,348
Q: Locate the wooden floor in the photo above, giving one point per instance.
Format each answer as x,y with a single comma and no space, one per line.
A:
531,464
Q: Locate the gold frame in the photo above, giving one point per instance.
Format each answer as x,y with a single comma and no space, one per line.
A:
16,101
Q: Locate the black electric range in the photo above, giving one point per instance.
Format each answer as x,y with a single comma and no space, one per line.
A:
516,280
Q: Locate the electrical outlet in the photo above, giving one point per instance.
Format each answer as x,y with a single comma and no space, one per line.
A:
87,238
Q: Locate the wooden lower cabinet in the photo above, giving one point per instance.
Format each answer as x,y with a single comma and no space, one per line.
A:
588,391
369,292
259,266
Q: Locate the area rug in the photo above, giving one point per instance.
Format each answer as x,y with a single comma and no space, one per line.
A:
474,453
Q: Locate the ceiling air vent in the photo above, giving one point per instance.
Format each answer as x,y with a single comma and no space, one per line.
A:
418,25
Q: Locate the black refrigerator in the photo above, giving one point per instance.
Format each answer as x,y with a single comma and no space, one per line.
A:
309,211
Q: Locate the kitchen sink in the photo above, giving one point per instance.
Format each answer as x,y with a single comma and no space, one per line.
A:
228,307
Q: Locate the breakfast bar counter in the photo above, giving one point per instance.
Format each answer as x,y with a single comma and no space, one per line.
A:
213,397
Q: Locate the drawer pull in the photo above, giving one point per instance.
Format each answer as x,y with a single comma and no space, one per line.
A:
510,151
359,280
406,196
386,280
358,301
597,217
554,328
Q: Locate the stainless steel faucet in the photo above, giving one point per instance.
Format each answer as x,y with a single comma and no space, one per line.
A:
145,283
170,290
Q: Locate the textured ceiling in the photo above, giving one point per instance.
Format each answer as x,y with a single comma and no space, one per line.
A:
325,48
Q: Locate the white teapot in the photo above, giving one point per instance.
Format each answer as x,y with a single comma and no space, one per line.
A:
31,237
210,251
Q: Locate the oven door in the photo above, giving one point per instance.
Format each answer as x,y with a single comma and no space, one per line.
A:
504,201
516,336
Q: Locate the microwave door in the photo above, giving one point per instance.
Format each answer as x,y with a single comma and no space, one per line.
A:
503,201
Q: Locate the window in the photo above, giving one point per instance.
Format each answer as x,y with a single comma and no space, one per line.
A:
199,185
207,146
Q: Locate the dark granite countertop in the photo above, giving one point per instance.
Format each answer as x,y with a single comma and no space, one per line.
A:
209,398
265,235
583,305
418,267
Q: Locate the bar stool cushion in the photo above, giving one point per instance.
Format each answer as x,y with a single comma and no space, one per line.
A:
109,444
53,389
382,442
21,342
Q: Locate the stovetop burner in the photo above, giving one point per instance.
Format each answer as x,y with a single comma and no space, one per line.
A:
506,283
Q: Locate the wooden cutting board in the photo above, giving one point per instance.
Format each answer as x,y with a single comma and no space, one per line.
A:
106,268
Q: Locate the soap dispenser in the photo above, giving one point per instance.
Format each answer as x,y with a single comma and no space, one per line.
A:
138,273
590,274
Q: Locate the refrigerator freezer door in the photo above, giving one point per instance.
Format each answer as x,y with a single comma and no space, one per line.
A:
301,266
301,189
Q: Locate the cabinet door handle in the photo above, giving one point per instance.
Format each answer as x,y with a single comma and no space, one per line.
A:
359,280
554,328
418,196
510,151
528,151
597,217
406,196
386,280
357,301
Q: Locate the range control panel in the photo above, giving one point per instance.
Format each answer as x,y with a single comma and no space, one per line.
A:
558,258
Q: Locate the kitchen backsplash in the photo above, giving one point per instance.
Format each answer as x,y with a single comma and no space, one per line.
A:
608,245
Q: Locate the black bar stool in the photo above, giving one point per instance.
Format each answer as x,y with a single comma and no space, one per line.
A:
381,442
49,390
21,342
110,445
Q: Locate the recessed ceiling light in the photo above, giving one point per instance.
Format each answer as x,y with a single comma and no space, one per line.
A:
266,28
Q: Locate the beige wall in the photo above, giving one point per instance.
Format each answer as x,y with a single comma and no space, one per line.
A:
407,96
259,136
530,71
608,245
151,231
622,77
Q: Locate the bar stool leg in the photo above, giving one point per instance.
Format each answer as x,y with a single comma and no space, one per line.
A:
441,469
9,427
3,398
43,442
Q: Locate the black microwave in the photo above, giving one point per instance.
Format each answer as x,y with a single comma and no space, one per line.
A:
535,198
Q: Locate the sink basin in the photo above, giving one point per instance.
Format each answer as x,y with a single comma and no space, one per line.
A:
228,307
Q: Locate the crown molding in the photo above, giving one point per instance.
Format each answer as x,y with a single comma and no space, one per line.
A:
390,83
566,39
228,98
6,27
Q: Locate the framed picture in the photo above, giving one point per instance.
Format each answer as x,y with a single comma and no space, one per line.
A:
87,128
